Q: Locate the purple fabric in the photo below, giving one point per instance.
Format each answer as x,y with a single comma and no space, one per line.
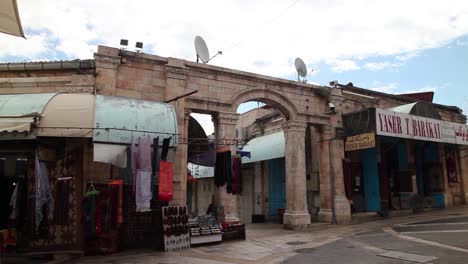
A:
144,153
207,159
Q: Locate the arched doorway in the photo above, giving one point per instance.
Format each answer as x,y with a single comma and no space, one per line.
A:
294,164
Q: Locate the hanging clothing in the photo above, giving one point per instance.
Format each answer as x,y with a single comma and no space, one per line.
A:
165,148
126,173
154,157
143,191
134,151
154,165
223,171
243,153
166,174
118,185
236,174
43,195
144,153
14,203
207,159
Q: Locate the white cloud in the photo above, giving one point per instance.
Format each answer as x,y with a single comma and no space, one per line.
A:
246,31
377,66
384,88
407,56
342,65
27,48
205,121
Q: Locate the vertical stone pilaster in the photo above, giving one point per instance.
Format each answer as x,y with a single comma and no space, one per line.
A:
448,198
296,197
225,132
176,86
462,154
107,66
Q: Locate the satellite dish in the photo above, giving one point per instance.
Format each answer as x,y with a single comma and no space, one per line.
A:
202,49
301,68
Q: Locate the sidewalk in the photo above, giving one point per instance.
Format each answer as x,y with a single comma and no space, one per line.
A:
266,243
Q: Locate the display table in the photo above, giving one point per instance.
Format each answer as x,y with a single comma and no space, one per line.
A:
204,229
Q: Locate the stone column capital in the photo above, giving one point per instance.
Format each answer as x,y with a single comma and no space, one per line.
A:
293,125
226,118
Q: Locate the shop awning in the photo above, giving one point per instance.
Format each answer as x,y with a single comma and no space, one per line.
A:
108,119
265,147
9,18
117,119
19,111
68,115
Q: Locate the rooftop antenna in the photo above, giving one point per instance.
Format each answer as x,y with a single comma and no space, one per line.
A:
203,53
301,69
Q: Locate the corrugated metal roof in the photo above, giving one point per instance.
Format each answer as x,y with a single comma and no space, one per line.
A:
117,119
265,147
24,104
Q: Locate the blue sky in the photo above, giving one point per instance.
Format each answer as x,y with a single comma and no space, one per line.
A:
393,46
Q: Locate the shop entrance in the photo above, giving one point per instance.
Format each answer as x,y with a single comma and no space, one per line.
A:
13,203
277,189
428,173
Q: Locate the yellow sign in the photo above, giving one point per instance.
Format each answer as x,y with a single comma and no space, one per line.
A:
361,141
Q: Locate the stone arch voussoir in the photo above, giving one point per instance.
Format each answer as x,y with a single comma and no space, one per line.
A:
272,98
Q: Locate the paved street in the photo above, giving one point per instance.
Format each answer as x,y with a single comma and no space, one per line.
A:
432,237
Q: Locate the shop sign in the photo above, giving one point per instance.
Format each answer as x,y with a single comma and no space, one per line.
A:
395,124
361,141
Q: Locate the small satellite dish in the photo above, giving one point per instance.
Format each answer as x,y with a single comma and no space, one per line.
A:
201,49
301,68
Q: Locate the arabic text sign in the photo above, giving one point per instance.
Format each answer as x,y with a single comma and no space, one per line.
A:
395,124
361,141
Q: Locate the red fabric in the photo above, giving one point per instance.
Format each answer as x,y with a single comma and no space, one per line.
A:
118,184
166,173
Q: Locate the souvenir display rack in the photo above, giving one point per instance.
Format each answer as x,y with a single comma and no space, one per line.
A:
175,228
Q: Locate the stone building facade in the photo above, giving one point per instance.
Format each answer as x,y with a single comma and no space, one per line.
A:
219,92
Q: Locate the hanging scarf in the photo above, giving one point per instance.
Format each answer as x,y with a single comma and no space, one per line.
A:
43,193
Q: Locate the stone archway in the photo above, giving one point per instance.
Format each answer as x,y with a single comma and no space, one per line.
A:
296,213
272,98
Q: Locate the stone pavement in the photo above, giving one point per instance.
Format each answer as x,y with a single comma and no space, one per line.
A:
266,243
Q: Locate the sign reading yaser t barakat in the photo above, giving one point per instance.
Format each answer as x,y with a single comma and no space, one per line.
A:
395,124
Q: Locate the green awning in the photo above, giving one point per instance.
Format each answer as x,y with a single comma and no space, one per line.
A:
265,147
19,111
16,105
117,119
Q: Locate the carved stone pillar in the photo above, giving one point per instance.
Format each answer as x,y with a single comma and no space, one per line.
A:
333,201
225,132
296,197
325,214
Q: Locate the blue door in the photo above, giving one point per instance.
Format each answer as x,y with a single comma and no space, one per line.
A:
371,179
276,187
